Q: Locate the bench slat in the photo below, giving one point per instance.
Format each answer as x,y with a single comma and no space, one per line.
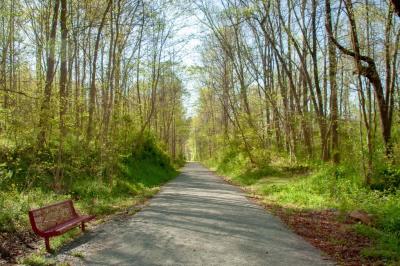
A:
62,228
50,216
56,219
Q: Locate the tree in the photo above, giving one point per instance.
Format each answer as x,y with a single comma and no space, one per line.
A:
384,99
92,94
50,72
333,88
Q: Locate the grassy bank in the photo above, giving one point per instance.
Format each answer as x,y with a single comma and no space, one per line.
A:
320,187
128,178
143,179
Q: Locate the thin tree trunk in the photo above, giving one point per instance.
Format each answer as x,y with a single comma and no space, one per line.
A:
92,93
45,108
333,87
63,92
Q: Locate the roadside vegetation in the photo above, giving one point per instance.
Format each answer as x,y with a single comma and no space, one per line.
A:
299,105
135,175
91,109
132,177
316,187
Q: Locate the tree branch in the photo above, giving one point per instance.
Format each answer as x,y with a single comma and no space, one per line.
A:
19,92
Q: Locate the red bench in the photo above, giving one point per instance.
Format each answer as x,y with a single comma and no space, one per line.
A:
56,219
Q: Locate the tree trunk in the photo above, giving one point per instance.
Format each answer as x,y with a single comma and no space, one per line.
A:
92,93
45,108
63,91
334,97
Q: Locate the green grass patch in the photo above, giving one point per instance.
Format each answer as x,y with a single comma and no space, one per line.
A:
318,187
126,179
37,260
91,197
387,245
77,254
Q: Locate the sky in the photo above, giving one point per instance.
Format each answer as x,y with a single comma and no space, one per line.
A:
190,30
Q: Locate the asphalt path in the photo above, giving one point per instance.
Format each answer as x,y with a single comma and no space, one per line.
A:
196,219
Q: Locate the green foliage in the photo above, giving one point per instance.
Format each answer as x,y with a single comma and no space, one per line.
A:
387,244
387,178
98,188
323,186
37,260
148,149
230,160
180,161
17,203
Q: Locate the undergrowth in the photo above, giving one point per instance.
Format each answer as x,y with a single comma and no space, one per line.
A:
100,182
319,186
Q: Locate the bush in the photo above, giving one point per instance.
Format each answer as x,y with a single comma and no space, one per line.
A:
99,180
180,161
387,178
18,203
328,187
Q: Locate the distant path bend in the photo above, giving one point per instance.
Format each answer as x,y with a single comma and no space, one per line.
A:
196,219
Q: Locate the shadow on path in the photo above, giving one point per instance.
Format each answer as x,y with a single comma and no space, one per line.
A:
197,219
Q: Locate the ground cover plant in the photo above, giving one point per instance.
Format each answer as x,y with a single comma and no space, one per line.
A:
295,100
310,193
135,177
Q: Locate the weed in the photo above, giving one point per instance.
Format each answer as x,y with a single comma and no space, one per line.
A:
320,187
77,254
38,260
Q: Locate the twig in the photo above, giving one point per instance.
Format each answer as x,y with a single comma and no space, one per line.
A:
19,92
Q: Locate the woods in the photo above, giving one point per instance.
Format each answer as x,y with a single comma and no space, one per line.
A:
295,100
301,99
310,78
91,97
70,75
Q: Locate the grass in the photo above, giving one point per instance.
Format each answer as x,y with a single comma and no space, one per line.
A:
97,198
387,245
141,181
94,188
38,260
78,254
318,187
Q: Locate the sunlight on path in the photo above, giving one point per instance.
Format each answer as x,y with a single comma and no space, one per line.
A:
197,219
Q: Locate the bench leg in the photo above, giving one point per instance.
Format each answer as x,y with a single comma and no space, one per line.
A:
83,227
47,243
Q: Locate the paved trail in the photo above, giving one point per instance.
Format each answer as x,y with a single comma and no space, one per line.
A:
197,219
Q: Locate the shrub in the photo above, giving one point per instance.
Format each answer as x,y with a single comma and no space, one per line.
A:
97,179
387,178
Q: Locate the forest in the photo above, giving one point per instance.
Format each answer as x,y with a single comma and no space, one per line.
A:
91,105
297,102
